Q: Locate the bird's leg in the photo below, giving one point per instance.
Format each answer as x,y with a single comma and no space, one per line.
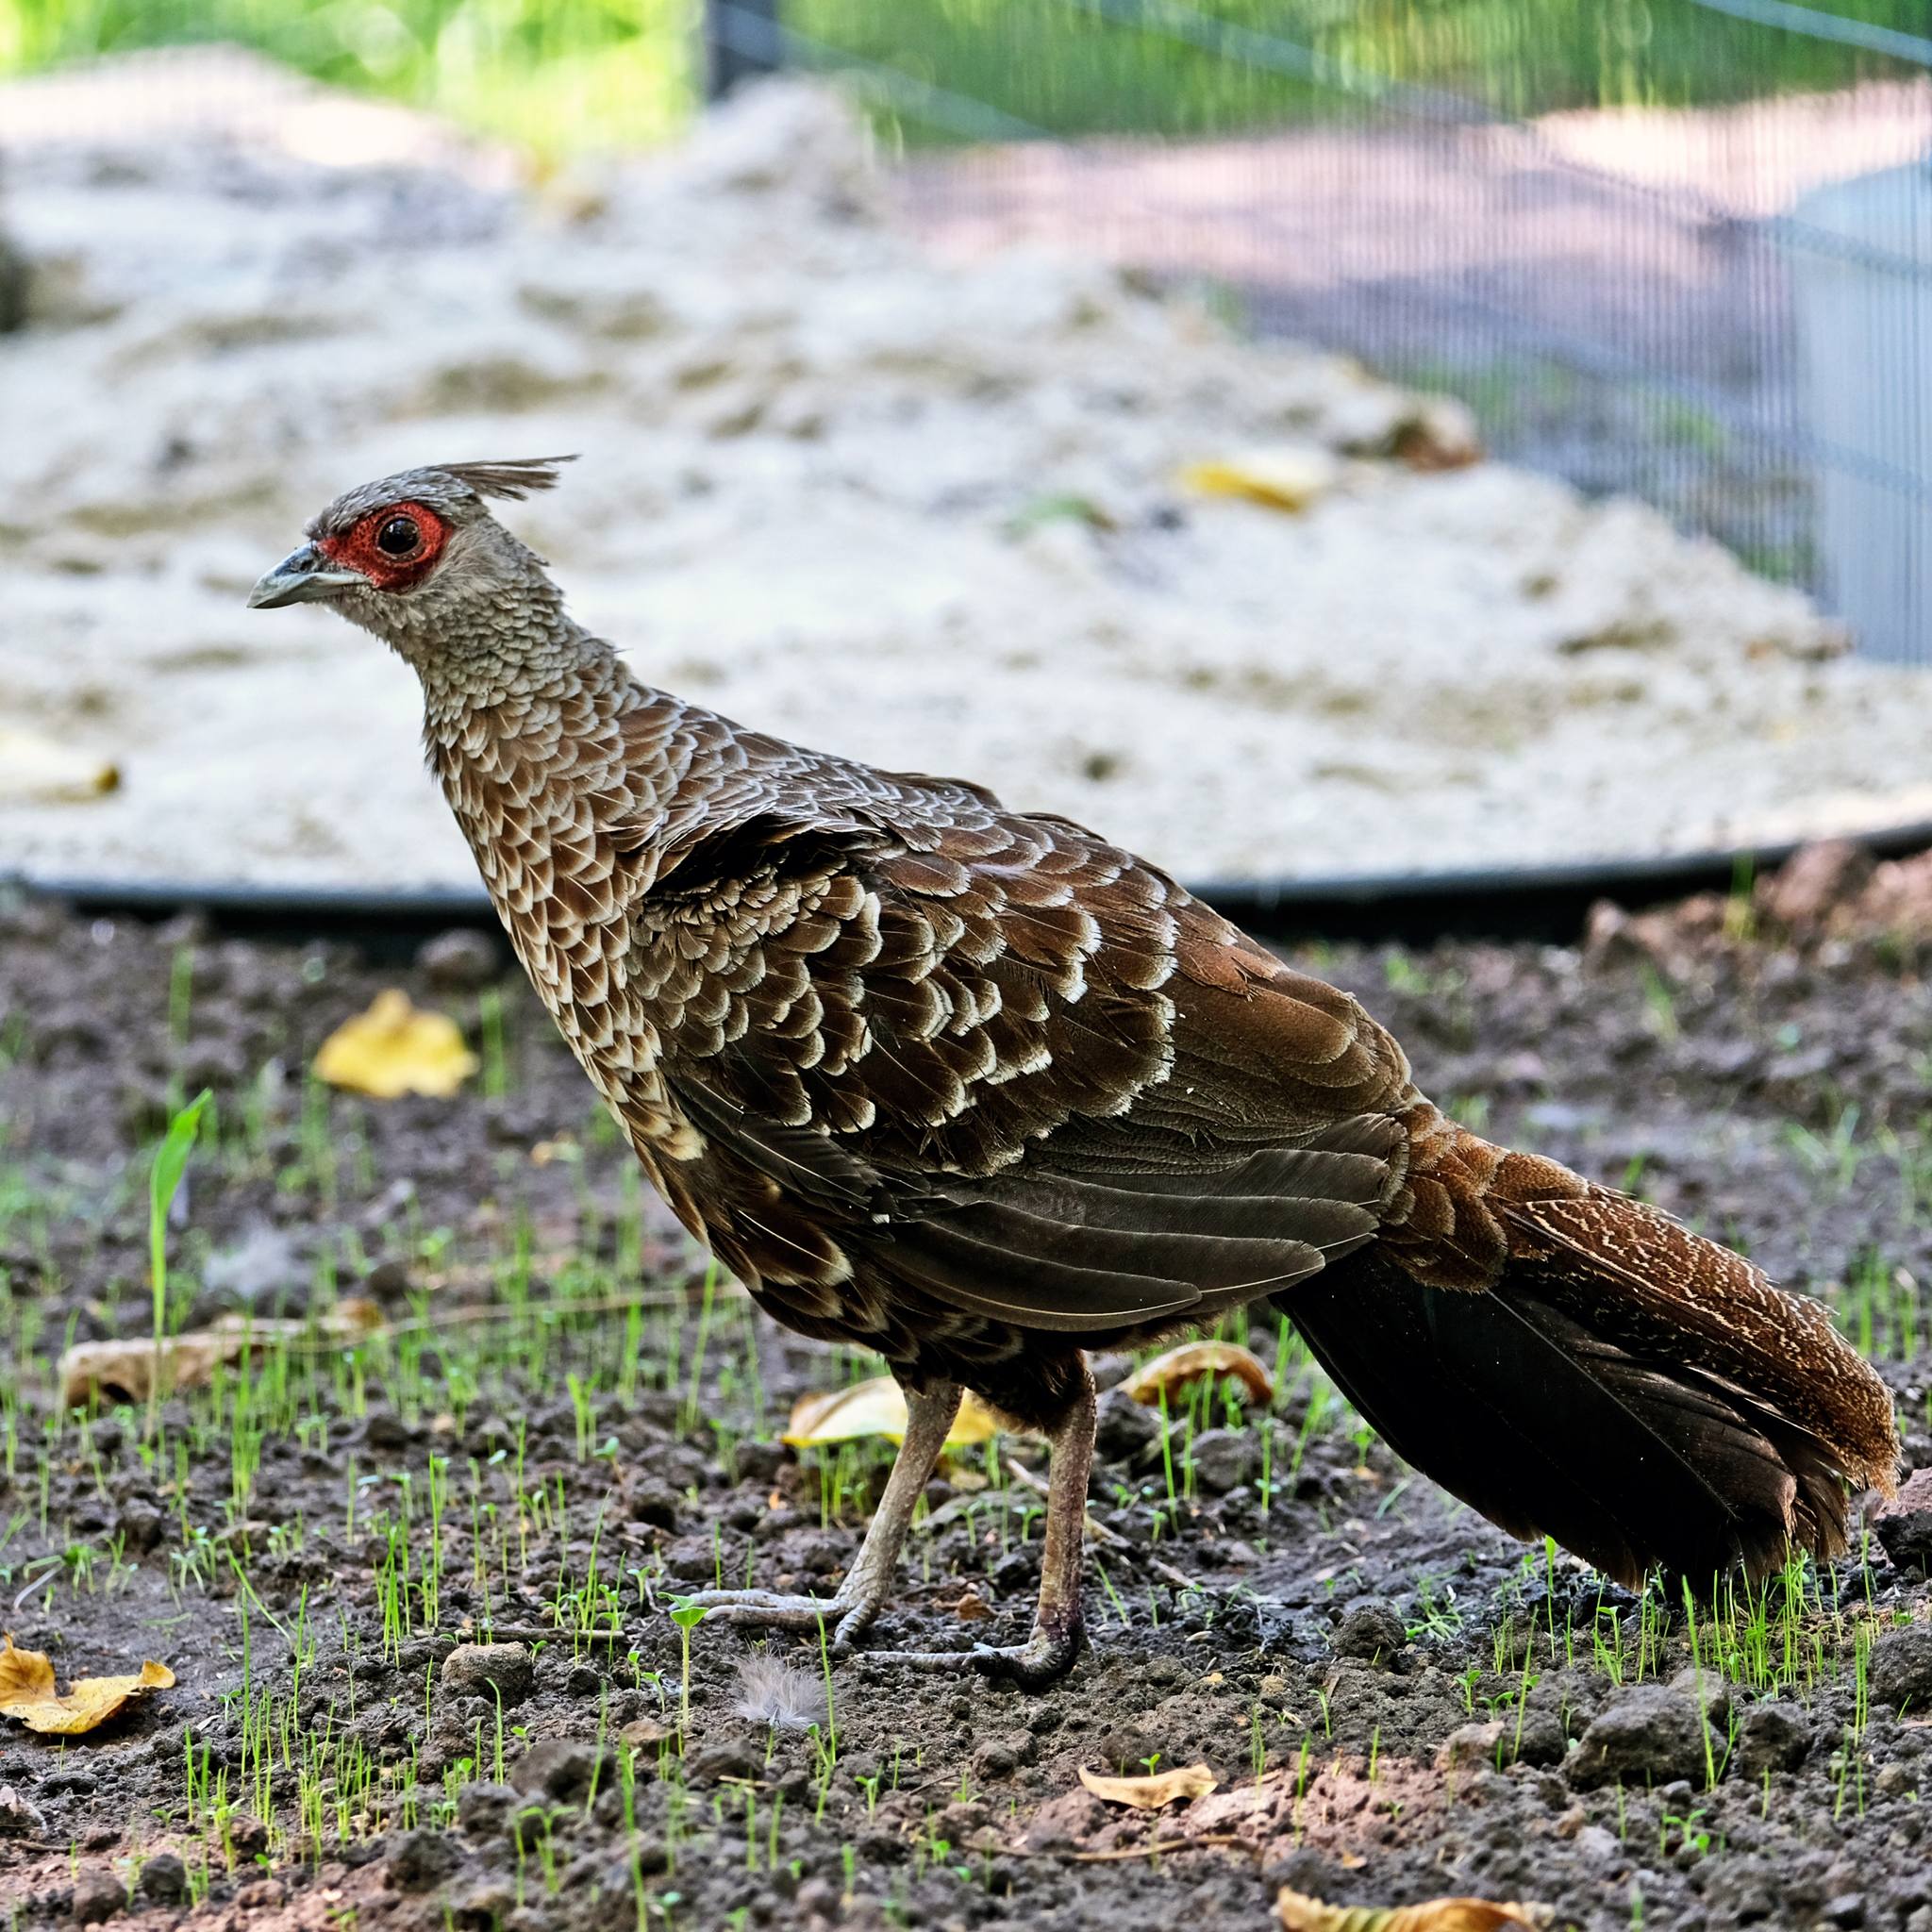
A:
929,1415
1049,1653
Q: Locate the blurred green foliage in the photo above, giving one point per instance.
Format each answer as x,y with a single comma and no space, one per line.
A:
566,73
556,74
1078,66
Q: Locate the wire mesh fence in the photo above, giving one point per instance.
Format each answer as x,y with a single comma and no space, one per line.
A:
1678,248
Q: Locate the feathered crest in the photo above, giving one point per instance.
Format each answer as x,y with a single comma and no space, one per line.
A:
514,479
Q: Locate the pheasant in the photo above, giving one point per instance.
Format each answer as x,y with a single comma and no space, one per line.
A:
975,1089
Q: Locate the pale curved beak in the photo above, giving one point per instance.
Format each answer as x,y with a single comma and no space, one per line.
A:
302,577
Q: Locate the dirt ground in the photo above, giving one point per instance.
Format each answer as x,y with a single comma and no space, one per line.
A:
566,1422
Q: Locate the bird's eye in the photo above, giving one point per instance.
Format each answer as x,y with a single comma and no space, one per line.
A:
398,537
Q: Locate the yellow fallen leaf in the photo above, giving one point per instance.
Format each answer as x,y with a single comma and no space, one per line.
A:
396,1048
877,1407
1300,1913
26,1692
1290,476
1192,1360
36,770
124,1370
1157,1791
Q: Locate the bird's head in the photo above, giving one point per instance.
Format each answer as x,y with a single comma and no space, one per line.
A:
418,557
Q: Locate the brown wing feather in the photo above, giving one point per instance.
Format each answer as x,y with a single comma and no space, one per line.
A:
1029,1075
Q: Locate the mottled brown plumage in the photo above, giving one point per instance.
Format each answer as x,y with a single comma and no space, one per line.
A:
980,1091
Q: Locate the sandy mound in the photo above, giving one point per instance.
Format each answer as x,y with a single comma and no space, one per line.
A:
922,513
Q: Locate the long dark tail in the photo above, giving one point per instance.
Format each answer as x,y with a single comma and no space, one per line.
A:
1574,1364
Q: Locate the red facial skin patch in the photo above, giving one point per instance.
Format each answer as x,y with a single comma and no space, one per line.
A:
360,551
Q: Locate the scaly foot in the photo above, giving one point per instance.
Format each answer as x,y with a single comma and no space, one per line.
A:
1043,1660
843,1614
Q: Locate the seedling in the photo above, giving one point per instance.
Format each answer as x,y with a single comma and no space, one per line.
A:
164,1183
687,1614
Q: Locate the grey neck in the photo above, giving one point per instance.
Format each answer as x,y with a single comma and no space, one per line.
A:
504,665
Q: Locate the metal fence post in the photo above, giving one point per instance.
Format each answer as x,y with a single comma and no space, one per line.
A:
741,43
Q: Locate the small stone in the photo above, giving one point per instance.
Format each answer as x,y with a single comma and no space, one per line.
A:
994,1761
1015,1573
817,1895
487,1900
1904,1523
141,1524
1771,1737
477,1670
1225,1458
19,1817
694,1558
1305,1870
1847,1908
558,1768
163,1880
97,1896
384,1429
1538,1740
1469,1745
461,960
725,1757
1895,1779
1600,1846
483,1809
260,1896
421,1861
646,1735
1709,1688
389,1282
1123,1427
1902,1668
1651,1734
1815,882
1371,1632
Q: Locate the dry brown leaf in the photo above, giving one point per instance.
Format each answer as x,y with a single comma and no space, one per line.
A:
27,1693
1287,477
396,1048
1157,1791
1300,1913
877,1407
124,1369
36,770
1192,1360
